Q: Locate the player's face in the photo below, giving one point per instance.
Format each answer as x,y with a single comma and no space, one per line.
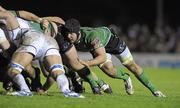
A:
72,37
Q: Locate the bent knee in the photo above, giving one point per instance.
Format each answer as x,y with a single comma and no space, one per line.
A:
56,70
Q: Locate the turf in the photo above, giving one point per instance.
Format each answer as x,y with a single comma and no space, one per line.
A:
167,80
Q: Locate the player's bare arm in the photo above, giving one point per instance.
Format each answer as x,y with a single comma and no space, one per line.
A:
2,9
29,16
99,57
55,19
72,57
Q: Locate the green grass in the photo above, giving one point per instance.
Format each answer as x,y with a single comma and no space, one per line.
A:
167,80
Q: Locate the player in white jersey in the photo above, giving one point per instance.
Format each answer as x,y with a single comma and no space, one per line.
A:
51,29
33,44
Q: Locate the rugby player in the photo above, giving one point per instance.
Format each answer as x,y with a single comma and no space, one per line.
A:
51,25
101,42
32,44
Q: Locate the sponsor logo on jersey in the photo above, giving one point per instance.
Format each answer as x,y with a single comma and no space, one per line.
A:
96,43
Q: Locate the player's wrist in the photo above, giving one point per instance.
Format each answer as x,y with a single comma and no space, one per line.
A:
90,63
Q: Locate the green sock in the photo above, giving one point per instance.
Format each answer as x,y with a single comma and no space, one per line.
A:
146,82
122,75
91,80
100,82
86,74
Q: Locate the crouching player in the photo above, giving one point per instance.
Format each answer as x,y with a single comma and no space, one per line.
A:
32,44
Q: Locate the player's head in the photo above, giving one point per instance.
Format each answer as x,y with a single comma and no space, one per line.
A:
71,30
72,25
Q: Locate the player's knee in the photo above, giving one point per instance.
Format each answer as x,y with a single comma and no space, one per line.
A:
56,70
14,69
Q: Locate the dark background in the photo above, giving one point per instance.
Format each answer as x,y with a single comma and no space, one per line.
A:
139,23
121,12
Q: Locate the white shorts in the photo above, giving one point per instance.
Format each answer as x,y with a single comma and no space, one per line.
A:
125,57
38,45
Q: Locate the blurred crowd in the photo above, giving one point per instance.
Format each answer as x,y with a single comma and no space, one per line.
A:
140,38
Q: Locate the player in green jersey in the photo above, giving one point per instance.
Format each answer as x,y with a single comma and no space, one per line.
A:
100,41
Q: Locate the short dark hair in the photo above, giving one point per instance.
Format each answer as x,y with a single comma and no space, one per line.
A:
72,25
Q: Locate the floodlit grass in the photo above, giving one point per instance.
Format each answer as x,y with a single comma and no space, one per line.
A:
167,80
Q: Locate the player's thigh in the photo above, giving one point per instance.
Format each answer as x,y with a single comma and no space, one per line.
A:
72,58
125,57
22,58
53,64
52,59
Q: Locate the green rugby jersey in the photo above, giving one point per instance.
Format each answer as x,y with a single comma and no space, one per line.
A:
35,26
93,38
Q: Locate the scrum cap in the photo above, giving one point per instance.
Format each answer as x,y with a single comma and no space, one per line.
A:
72,25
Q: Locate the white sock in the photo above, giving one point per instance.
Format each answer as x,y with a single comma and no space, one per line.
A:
63,83
19,79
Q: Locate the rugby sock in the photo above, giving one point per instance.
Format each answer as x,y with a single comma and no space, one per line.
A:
63,83
49,82
86,74
91,80
121,75
146,82
100,82
19,79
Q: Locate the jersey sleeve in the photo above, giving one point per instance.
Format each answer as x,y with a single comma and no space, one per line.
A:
63,44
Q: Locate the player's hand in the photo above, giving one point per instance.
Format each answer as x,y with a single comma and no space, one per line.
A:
44,24
41,92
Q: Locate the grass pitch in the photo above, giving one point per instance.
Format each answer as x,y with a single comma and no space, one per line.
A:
167,80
